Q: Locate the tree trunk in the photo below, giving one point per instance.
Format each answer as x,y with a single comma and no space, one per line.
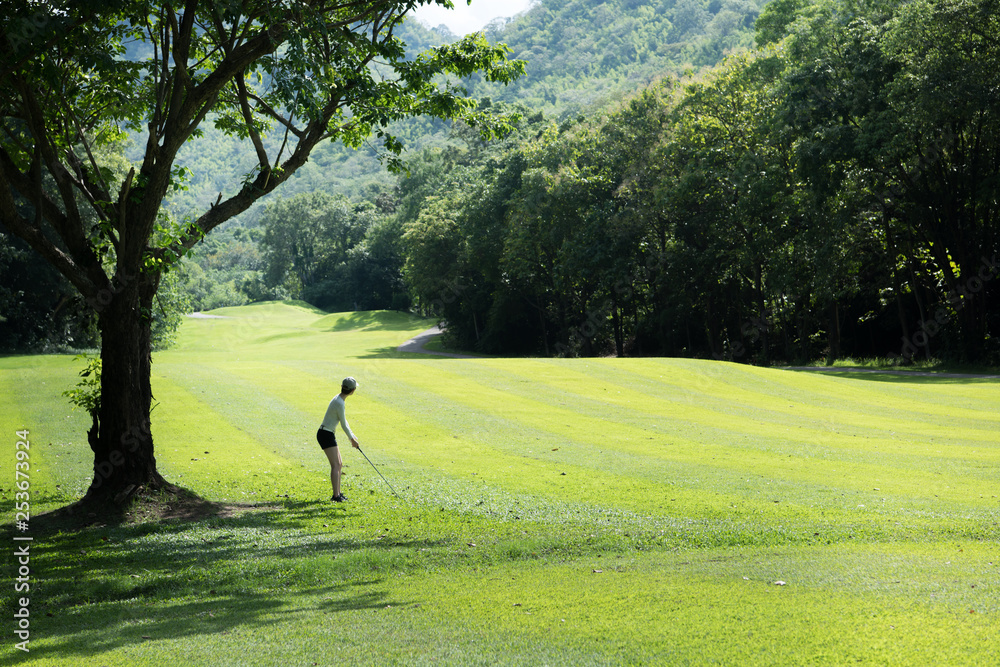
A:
763,325
834,338
616,323
123,448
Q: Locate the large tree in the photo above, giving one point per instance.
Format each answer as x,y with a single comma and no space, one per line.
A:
77,75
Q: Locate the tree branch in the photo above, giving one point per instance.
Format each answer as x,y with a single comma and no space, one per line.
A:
65,222
268,110
101,183
30,190
33,236
241,92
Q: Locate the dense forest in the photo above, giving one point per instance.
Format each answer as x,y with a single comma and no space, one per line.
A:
833,192
723,179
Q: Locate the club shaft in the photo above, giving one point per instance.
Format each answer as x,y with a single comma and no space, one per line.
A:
379,474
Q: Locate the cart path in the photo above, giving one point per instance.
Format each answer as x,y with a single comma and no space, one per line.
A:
416,344
205,316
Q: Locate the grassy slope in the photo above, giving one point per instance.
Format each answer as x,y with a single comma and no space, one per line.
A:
555,511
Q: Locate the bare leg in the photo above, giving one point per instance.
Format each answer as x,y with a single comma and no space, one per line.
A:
336,465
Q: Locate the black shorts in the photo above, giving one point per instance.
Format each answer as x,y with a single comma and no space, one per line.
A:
326,438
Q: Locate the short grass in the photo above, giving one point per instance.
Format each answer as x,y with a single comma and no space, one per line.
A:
553,512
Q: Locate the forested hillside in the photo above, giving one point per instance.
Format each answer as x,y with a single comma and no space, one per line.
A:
586,52
579,53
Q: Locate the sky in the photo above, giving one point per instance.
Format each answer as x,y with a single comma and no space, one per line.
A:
469,18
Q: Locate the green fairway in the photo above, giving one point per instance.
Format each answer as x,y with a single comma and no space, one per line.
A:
553,512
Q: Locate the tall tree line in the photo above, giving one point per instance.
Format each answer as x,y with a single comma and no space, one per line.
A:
834,193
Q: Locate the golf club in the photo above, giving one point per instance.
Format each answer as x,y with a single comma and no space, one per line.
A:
379,474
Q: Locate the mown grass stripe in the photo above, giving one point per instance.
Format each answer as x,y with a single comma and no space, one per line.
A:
199,448
824,438
292,331
778,390
621,395
753,449
429,444
905,396
820,399
243,395
61,461
703,490
672,598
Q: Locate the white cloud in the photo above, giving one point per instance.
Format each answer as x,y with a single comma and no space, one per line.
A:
464,18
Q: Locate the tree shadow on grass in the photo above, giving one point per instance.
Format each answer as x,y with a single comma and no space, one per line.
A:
286,302
394,353
368,320
84,634
103,587
389,352
901,377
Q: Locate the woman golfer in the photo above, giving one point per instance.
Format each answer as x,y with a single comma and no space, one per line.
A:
335,414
